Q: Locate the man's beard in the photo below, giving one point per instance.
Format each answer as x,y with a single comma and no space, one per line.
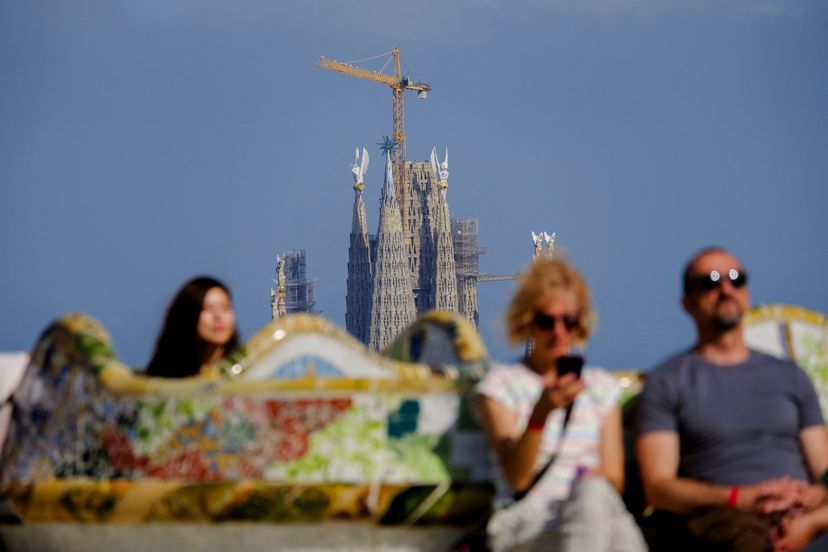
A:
725,322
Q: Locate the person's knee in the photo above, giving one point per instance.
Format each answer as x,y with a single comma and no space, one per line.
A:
594,497
594,488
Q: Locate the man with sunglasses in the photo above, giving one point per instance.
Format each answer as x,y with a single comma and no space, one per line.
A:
727,437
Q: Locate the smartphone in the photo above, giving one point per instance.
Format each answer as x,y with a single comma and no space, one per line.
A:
570,365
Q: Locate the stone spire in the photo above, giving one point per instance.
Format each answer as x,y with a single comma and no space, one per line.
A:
445,275
358,298
278,304
544,246
392,304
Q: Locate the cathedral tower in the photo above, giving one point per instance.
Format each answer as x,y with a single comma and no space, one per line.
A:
359,284
445,274
392,303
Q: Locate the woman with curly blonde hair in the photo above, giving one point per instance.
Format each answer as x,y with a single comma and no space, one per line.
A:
556,434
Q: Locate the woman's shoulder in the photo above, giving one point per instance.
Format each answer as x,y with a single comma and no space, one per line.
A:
601,383
502,370
597,374
507,379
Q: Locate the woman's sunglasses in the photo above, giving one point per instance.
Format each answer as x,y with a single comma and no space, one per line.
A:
738,278
546,322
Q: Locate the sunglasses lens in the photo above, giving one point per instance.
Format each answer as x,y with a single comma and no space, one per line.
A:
707,283
544,321
739,280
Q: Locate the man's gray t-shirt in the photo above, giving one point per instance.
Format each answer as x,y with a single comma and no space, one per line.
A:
737,424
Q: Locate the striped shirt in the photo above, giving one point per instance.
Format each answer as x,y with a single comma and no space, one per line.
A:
518,388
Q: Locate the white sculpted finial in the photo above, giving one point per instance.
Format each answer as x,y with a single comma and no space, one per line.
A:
355,166
359,168
537,240
440,169
550,243
388,185
444,167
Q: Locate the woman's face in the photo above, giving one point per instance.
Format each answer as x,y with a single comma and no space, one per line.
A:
552,331
216,322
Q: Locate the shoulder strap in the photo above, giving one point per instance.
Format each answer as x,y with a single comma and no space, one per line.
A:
520,495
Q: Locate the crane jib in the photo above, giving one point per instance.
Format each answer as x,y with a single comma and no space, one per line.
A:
398,83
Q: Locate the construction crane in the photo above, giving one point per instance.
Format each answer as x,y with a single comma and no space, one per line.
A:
398,83
483,277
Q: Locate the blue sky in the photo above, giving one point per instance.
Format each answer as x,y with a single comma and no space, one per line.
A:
143,143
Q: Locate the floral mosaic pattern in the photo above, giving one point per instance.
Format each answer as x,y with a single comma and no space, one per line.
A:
307,455
795,333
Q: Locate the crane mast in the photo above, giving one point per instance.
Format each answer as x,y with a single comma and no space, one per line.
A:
398,84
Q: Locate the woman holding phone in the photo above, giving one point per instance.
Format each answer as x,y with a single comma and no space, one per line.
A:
555,429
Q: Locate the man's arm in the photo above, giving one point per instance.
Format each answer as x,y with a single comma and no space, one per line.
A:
612,450
658,460
814,442
657,452
798,532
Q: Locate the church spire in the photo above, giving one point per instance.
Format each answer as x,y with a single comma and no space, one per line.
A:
358,295
278,304
392,304
445,275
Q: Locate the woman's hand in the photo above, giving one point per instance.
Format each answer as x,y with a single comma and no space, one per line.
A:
517,451
558,392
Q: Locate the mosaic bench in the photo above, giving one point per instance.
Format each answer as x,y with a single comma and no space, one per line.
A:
303,425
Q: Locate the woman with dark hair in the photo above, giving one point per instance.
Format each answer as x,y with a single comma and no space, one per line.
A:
199,330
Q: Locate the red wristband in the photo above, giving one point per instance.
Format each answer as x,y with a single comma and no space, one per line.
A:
535,425
733,498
